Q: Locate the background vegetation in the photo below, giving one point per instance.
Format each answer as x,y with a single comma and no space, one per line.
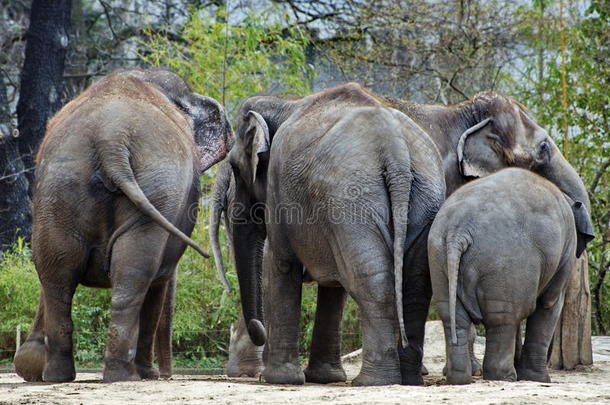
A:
439,52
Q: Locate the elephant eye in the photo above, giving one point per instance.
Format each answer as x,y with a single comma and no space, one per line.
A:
493,138
544,151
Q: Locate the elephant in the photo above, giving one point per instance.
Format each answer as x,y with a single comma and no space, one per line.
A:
115,198
501,250
245,358
328,183
486,133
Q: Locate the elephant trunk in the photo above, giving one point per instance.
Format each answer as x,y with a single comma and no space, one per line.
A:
249,242
219,203
562,174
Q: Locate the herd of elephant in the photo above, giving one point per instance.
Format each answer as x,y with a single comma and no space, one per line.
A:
364,194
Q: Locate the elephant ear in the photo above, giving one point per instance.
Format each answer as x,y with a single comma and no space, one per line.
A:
213,134
584,227
476,158
258,132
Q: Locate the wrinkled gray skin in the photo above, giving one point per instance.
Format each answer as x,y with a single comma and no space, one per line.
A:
488,133
501,250
115,197
511,137
245,358
356,172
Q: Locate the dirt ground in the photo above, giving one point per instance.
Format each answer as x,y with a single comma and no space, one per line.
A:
586,385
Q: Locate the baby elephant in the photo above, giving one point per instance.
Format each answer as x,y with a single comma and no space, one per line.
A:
501,250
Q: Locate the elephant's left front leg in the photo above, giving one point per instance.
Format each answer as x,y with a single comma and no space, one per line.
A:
325,354
282,285
149,320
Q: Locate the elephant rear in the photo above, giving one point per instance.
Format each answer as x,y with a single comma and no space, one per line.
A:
500,251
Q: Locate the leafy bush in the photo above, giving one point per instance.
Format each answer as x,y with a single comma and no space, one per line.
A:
230,62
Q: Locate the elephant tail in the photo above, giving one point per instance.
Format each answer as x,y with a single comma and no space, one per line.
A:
455,250
116,166
219,197
398,180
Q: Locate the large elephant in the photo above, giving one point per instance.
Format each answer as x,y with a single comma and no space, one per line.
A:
332,180
246,358
501,250
116,192
487,133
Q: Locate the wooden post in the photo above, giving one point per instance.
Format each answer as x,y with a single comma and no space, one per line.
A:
572,340
18,338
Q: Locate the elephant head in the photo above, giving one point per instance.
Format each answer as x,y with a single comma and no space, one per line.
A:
504,134
258,119
212,131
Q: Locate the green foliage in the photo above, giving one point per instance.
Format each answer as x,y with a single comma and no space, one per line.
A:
230,62
19,289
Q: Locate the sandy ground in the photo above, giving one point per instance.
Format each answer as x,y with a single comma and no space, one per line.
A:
587,385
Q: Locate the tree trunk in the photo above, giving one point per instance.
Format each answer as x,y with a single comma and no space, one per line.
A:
15,217
42,75
572,341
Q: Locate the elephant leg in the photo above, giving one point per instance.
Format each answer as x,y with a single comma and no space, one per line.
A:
459,366
133,266
58,328
411,366
325,353
518,347
282,286
372,290
499,361
149,319
32,354
417,292
163,335
538,335
475,364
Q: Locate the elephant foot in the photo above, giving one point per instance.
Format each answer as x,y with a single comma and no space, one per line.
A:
286,373
325,373
165,374
424,370
500,374
375,377
59,369
244,369
459,378
411,379
117,370
147,372
532,375
477,370
30,360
